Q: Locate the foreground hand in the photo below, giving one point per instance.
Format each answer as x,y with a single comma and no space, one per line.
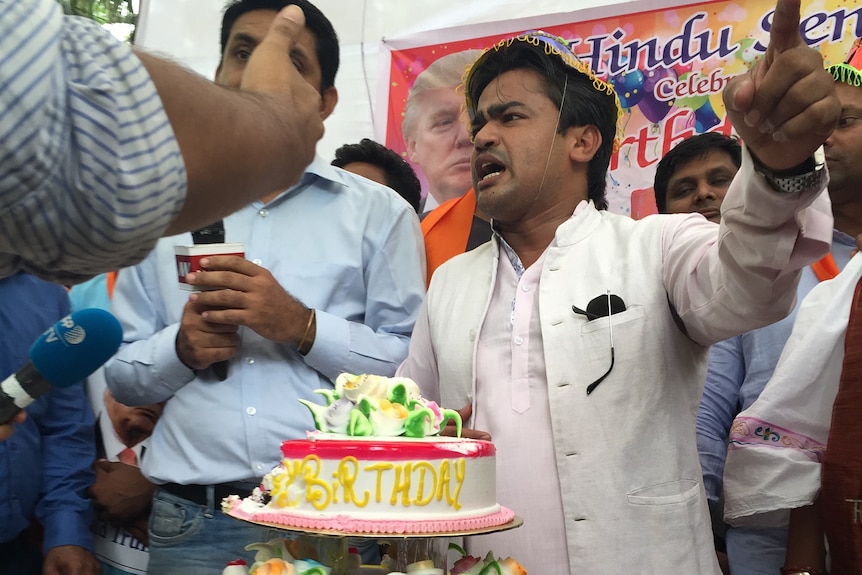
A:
271,72
250,297
466,413
785,107
139,528
7,429
121,494
70,560
201,343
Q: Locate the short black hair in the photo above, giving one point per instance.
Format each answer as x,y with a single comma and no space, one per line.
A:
319,25
692,148
398,173
584,102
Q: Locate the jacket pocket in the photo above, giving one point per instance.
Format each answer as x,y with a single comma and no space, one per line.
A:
632,313
669,493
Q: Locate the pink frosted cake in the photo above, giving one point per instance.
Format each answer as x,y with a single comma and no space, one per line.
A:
377,465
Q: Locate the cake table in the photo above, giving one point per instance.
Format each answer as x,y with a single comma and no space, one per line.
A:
411,547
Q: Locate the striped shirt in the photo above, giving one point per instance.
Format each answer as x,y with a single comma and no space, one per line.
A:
90,170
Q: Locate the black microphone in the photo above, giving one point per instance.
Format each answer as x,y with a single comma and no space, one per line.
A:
64,355
213,234
602,306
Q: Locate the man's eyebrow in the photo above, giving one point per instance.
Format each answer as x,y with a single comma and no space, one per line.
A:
243,38
300,53
493,111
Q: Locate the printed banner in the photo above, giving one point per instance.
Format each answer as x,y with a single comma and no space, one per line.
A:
668,67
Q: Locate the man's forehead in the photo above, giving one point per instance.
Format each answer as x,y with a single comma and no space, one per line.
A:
252,25
440,100
848,92
706,162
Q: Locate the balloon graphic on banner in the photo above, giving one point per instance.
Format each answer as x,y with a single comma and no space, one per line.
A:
717,104
705,118
629,87
651,107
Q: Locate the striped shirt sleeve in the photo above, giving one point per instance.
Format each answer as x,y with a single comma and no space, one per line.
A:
90,170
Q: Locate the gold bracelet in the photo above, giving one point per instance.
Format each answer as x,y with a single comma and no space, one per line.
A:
301,346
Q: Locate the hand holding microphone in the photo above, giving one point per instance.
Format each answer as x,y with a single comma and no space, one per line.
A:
64,355
208,241
7,429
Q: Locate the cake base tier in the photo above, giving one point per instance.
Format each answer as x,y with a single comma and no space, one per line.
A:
505,520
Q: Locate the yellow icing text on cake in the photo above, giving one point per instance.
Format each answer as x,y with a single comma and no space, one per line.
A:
459,465
408,483
317,491
379,468
424,467
401,485
346,475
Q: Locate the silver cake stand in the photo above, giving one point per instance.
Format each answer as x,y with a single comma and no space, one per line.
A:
411,547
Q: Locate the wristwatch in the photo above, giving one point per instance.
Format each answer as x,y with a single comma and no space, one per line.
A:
807,175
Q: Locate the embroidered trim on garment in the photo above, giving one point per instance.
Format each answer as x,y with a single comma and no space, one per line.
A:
750,431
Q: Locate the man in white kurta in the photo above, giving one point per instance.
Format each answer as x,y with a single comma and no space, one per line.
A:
609,481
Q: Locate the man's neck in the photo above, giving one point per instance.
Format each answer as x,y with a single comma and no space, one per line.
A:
530,240
848,218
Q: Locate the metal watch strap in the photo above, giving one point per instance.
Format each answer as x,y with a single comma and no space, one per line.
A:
795,183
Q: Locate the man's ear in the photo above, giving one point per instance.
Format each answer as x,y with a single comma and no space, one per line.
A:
584,142
411,149
328,100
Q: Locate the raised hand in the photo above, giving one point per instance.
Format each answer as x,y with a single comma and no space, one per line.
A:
271,72
785,107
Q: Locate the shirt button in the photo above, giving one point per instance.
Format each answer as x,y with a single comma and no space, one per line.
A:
256,262
519,340
264,212
260,467
249,360
525,287
250,410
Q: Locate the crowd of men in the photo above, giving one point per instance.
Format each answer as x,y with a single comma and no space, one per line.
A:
619,360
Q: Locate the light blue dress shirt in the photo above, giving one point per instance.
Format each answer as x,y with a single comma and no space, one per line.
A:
90,171
47,464
343,245
738,370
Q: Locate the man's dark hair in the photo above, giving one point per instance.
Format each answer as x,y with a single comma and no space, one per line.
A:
326,39
398,173
693,148
582,105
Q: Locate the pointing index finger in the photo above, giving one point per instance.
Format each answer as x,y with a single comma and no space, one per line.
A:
784,33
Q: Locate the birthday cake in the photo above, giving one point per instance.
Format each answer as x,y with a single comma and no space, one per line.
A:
377,465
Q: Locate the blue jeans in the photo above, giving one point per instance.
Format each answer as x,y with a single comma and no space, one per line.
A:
189,538
756,551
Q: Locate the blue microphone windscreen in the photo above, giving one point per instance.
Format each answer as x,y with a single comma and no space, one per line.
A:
76,346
